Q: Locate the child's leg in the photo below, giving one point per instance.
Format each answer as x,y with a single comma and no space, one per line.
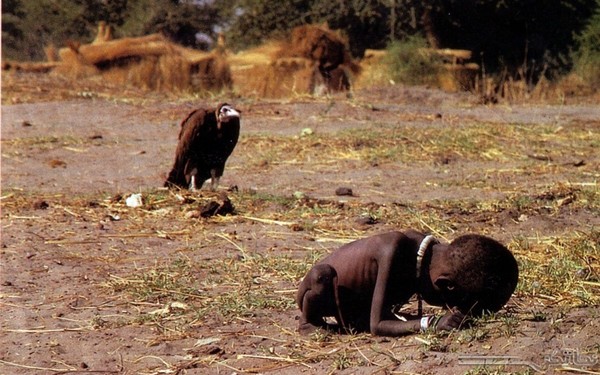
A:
316,298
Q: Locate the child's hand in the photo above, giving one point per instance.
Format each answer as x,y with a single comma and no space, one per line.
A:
452,320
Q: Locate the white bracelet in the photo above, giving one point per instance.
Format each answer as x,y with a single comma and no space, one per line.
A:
425,323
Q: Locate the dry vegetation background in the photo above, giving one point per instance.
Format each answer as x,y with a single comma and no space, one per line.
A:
89,284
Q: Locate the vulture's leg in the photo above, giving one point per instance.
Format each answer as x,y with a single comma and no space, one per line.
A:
214,179
192,186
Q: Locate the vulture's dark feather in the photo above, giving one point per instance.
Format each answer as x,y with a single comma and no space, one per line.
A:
206,139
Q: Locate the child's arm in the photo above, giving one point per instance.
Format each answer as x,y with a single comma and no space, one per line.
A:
453,319
380,327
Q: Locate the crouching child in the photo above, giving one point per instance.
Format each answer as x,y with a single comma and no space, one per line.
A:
361,282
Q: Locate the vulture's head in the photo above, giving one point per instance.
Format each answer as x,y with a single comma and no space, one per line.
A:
225,113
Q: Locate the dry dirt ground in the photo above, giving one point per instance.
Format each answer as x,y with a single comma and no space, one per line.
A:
89,284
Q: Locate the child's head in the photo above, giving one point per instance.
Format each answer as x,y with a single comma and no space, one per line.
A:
480,274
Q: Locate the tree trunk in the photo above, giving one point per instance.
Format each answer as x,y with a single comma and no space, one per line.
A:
430,32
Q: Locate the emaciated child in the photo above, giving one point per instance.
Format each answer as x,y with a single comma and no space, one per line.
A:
361,282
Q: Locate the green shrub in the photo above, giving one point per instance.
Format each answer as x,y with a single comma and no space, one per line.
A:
409,62
586,59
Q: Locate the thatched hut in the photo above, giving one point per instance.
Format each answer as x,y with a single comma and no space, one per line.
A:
312,60
152,62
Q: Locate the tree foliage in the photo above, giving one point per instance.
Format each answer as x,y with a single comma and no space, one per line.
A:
511,34
180,21
12,28
253,22
535,35
40,23
30,25
587,55
366,23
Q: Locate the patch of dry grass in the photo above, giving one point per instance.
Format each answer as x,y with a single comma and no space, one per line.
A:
182,293
560,270
417,144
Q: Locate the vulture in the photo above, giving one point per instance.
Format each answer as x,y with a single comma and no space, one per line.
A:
206,139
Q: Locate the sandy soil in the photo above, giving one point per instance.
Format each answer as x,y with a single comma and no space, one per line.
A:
68,152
